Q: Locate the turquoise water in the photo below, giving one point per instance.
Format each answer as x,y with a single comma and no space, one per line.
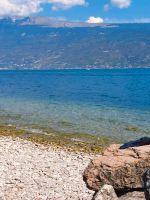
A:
104,102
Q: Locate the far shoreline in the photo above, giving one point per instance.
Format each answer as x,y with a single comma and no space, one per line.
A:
77,69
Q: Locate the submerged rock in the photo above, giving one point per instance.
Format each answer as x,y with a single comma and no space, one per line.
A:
122,169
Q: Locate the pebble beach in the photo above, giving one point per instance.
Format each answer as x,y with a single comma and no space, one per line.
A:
30,171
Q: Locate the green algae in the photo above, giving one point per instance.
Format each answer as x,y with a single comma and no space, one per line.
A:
65,124
10,131
132,129
9,116
138,130
77,142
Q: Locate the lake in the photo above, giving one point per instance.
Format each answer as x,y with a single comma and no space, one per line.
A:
113,102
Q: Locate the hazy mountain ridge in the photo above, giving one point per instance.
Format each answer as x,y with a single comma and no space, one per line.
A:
28,45
47,21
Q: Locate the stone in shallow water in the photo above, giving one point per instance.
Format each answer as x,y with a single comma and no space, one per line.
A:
122,169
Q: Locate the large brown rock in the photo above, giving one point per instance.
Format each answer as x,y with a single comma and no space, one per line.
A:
120,168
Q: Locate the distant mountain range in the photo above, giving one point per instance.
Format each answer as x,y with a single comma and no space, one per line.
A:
46,21
46,43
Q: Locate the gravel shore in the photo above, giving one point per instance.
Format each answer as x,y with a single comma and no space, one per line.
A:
35,172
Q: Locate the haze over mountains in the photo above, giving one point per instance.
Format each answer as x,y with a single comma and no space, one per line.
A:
45,21
46,43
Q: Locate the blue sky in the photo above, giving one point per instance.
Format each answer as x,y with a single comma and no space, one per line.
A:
138,10
80,10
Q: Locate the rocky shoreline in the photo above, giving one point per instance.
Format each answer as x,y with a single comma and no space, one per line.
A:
33,170
121,172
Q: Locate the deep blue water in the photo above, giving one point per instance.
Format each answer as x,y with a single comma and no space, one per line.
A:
105,102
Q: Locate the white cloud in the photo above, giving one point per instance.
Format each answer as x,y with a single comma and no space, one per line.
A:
65,4
94,20
121,3
106,7
27,7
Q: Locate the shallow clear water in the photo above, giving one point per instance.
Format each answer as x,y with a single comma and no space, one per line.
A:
105,102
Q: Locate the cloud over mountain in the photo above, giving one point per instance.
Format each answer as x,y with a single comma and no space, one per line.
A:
27,7
94,20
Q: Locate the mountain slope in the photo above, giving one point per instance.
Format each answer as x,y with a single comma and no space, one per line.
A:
28,45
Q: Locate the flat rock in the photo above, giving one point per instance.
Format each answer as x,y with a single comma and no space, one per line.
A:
133,196
120,168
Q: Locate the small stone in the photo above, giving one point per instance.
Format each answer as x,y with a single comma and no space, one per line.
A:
107,192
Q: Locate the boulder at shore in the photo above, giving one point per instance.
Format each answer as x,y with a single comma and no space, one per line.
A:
122,169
